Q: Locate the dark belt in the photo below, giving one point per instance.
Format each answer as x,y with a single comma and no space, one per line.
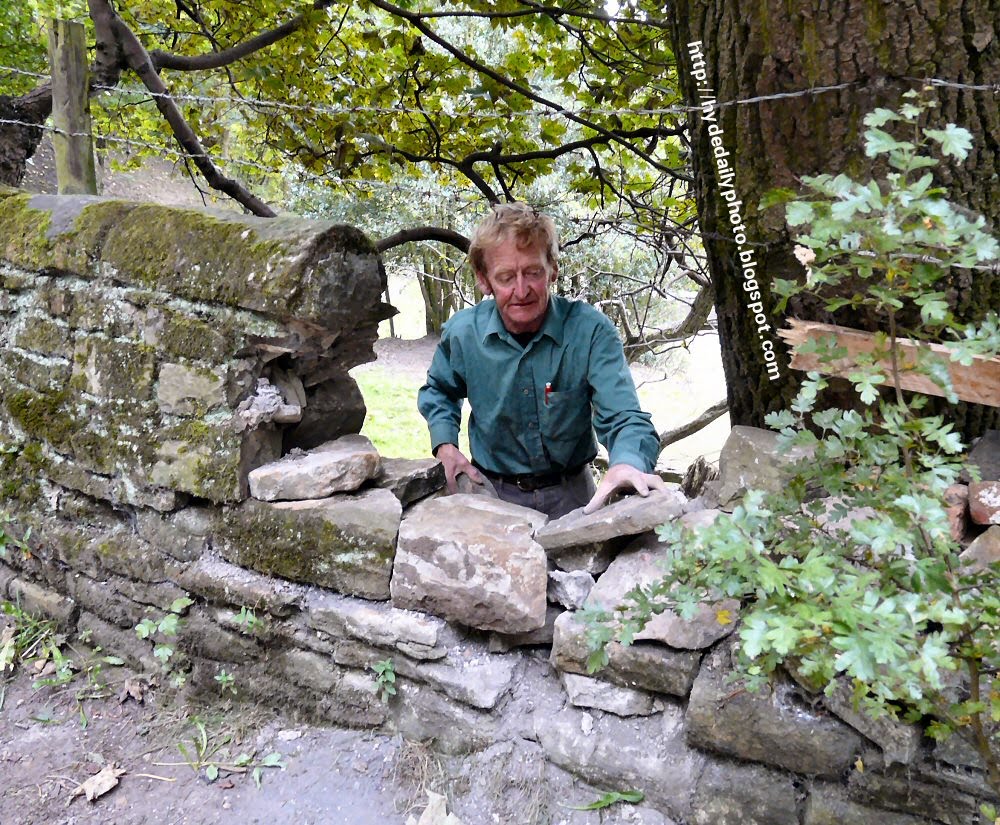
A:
529,482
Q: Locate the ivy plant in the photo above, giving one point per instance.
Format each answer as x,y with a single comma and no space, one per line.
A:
851,573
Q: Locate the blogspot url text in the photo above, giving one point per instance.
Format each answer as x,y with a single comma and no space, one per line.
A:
726,177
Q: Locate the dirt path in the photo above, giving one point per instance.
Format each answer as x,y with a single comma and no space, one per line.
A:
50,743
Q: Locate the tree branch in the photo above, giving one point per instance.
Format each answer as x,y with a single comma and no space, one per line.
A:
215,60
423,233
415,19
718,409
137,59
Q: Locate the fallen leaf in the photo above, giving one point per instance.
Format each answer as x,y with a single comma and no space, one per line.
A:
436,813
134,689
226,785
100,783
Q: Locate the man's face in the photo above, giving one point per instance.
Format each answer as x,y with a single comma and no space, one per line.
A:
518,278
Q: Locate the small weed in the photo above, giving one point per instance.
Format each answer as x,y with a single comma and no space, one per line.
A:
248,621
209,754
167,628
385,679
609,799
227,682
28,639
8,539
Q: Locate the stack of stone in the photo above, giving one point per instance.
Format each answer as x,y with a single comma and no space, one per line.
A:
974,508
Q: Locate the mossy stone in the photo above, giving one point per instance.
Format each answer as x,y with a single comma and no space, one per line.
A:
202,459
346,543
96,310
181,336
115,369
44,335
43,415
42,374
23,230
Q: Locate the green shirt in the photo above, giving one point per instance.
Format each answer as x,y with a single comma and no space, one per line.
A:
516,426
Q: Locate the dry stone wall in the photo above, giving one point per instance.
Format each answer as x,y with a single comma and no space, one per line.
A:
176,420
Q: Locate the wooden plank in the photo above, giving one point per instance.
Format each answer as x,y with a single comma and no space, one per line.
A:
72,139
978,383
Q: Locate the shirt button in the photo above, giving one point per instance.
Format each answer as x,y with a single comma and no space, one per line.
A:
526,391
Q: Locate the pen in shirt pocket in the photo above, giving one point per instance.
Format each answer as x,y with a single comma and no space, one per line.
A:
548,392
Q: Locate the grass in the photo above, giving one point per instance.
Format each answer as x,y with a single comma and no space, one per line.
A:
393,423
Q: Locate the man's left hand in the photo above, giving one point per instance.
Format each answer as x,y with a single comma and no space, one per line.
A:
620,476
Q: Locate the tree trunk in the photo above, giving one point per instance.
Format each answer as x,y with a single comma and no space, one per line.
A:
19,138
879,50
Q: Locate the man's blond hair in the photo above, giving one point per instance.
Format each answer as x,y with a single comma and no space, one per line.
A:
515,220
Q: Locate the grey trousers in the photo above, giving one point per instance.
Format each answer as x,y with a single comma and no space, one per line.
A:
554,501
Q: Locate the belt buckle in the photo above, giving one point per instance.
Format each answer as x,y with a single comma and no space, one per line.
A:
525,485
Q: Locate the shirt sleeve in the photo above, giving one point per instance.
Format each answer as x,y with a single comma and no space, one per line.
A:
619,422
440,398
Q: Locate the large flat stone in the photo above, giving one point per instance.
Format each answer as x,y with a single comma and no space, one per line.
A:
642,665
188,390
640,566
472,560
899,741
829,805
628,517
344,542
899,790
986,456
411,479
336,466
585,692
414,634
983,551
219,581
642,753
773,727
752,460
41,601
422,714
734,794
480,681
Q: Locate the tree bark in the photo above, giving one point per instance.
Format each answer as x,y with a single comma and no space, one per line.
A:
878,50
22,131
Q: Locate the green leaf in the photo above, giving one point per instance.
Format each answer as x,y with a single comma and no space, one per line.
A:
212,773
879,117
774,197
878,142
798,213
180,604
955,141
273,760
609,799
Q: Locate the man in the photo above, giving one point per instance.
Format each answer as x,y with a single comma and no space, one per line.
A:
542,374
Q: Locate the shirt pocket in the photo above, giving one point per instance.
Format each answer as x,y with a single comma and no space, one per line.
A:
566,421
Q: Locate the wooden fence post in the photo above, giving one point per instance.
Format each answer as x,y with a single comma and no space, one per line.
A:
72,140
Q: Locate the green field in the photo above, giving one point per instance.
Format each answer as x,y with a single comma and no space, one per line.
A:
393,423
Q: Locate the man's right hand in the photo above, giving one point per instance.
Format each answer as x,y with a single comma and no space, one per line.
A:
455,463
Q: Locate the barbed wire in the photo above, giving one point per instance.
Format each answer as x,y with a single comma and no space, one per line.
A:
181,155
142,92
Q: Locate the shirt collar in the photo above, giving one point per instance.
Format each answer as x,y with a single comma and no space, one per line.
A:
552,326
